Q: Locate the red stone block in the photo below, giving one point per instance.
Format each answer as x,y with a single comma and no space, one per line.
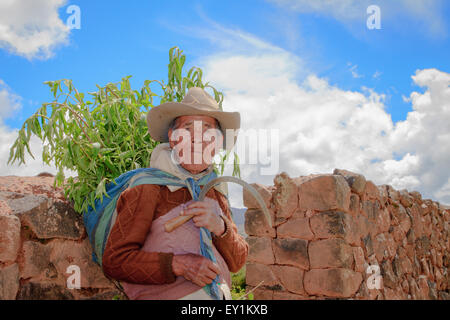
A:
9,237
383,190
295,228
398,213
405,224
258,274
353,231
354,204
330,224
285,295
5,208
256,224
291,252
330,253
371,192
427,226
358,256
371,210
405,286
394,294
36,261
405,199
65,253
384,221
414,289
417,223
364,226
425,209
9,282
416,196
425,270
264,191
389,278
391,246
423,288
334,282
334,193
433,256
380,247
357,182
407,265
439,260
260,250
285,197
393,194
291,278
398,234
440,285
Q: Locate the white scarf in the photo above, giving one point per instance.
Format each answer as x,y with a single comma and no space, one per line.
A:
161,159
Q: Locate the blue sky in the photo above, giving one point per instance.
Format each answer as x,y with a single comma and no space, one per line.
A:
328,45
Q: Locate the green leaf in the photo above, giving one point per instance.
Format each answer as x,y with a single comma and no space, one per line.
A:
37,128
111,167
54,88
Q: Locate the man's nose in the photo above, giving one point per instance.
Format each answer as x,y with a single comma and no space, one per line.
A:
197,135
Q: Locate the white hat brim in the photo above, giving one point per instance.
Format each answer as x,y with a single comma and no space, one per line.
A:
160,117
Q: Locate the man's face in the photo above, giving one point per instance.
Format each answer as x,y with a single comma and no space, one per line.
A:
196,141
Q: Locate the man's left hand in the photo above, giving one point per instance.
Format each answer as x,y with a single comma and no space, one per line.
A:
205,216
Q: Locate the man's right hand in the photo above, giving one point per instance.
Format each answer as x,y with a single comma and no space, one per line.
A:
195,268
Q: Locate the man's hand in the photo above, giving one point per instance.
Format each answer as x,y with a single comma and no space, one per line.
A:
205,216
195,268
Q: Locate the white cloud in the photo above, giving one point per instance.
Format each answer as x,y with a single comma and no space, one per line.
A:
9,102
354,70
425,12
377,74
32,166
323,127
32,29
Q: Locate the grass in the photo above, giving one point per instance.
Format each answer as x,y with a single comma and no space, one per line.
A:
238,286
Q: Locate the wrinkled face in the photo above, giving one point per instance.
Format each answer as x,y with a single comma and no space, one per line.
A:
195,140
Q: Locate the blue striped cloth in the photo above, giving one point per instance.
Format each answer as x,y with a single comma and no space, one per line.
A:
205,243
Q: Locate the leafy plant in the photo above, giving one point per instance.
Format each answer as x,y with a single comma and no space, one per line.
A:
104,135
238,286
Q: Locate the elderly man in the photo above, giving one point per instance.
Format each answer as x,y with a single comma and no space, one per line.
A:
152,263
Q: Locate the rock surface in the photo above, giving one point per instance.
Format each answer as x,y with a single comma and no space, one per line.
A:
44,246
347,238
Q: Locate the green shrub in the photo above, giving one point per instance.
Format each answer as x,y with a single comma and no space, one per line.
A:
238,286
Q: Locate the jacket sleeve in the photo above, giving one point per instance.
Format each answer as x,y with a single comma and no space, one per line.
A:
122,258
231,245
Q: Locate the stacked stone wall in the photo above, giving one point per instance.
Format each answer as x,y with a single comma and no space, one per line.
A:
340,236
44,248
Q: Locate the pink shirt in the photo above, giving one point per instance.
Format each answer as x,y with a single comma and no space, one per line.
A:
185,239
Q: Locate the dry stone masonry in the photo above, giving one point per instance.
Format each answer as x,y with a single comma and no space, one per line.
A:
338,236
334,236
41,239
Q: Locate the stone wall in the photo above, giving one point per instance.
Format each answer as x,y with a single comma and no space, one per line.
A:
328,230
41,239
338,236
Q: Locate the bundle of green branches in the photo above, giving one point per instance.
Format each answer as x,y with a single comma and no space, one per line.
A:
106,135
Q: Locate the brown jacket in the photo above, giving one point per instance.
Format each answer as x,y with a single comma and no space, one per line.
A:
136,209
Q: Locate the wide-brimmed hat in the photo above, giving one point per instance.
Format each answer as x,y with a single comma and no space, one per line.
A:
196,102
